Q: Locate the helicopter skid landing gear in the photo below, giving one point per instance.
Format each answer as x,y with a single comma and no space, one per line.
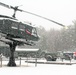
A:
12,50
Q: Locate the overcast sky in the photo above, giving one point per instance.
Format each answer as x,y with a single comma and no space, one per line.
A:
62,11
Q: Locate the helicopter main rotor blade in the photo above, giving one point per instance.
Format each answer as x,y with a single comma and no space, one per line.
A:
43,17
16,9
4,5
7,6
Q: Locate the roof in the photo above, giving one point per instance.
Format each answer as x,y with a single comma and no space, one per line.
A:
24,49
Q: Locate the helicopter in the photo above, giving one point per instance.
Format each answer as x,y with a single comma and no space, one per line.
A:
17,32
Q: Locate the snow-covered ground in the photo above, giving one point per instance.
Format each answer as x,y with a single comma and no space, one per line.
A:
41,69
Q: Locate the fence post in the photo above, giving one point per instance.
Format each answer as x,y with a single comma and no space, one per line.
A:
36,62
27,59
1,59
20,61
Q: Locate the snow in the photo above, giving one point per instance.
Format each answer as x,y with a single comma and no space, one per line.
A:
23,49
40,69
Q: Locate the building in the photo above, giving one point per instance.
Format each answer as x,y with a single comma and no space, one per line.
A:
23,52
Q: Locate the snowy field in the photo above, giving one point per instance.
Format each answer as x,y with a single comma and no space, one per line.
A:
40,69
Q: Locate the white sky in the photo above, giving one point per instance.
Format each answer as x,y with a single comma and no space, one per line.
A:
62,11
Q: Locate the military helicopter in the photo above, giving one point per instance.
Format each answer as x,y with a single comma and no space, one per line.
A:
17,32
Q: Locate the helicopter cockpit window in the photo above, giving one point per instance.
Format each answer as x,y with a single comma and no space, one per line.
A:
21,27
14,25
34,32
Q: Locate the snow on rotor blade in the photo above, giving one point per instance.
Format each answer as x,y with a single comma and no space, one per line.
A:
44,18
4,5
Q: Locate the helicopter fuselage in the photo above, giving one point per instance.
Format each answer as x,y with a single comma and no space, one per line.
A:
16,29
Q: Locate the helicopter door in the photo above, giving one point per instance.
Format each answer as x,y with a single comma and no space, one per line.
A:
5,26
14,28
21,30
1,25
